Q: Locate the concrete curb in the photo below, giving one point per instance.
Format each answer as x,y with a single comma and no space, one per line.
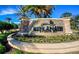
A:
44,48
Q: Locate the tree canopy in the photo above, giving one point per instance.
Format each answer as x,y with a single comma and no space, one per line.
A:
7,26
39,11
66,14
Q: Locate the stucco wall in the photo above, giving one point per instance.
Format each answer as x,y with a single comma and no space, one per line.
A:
64,22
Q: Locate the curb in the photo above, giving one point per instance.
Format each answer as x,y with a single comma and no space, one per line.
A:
43,48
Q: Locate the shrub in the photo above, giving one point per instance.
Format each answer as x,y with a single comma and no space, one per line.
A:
2,37
2,49
49,39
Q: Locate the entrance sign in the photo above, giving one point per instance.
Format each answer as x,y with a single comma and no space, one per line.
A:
46,25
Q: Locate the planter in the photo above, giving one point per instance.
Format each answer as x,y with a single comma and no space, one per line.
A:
44,47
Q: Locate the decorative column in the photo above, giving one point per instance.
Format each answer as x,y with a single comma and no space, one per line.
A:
66,26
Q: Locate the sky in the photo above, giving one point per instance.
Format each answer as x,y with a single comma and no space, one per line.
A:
11,10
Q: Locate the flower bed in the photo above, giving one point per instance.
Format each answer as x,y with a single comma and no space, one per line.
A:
45,47
49,39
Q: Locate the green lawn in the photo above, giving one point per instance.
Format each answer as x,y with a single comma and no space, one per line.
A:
4,36
2,49
3,41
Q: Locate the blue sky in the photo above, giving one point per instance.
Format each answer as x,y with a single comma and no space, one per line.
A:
11,10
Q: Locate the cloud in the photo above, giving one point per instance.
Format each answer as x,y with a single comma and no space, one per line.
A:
8,11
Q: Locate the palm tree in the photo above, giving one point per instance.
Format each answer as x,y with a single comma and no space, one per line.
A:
22,13
22,16
66,14
39,11
43,11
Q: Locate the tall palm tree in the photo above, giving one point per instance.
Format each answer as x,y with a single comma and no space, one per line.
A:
40,11
22,16
22,13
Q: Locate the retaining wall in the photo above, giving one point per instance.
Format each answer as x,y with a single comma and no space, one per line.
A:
44,48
